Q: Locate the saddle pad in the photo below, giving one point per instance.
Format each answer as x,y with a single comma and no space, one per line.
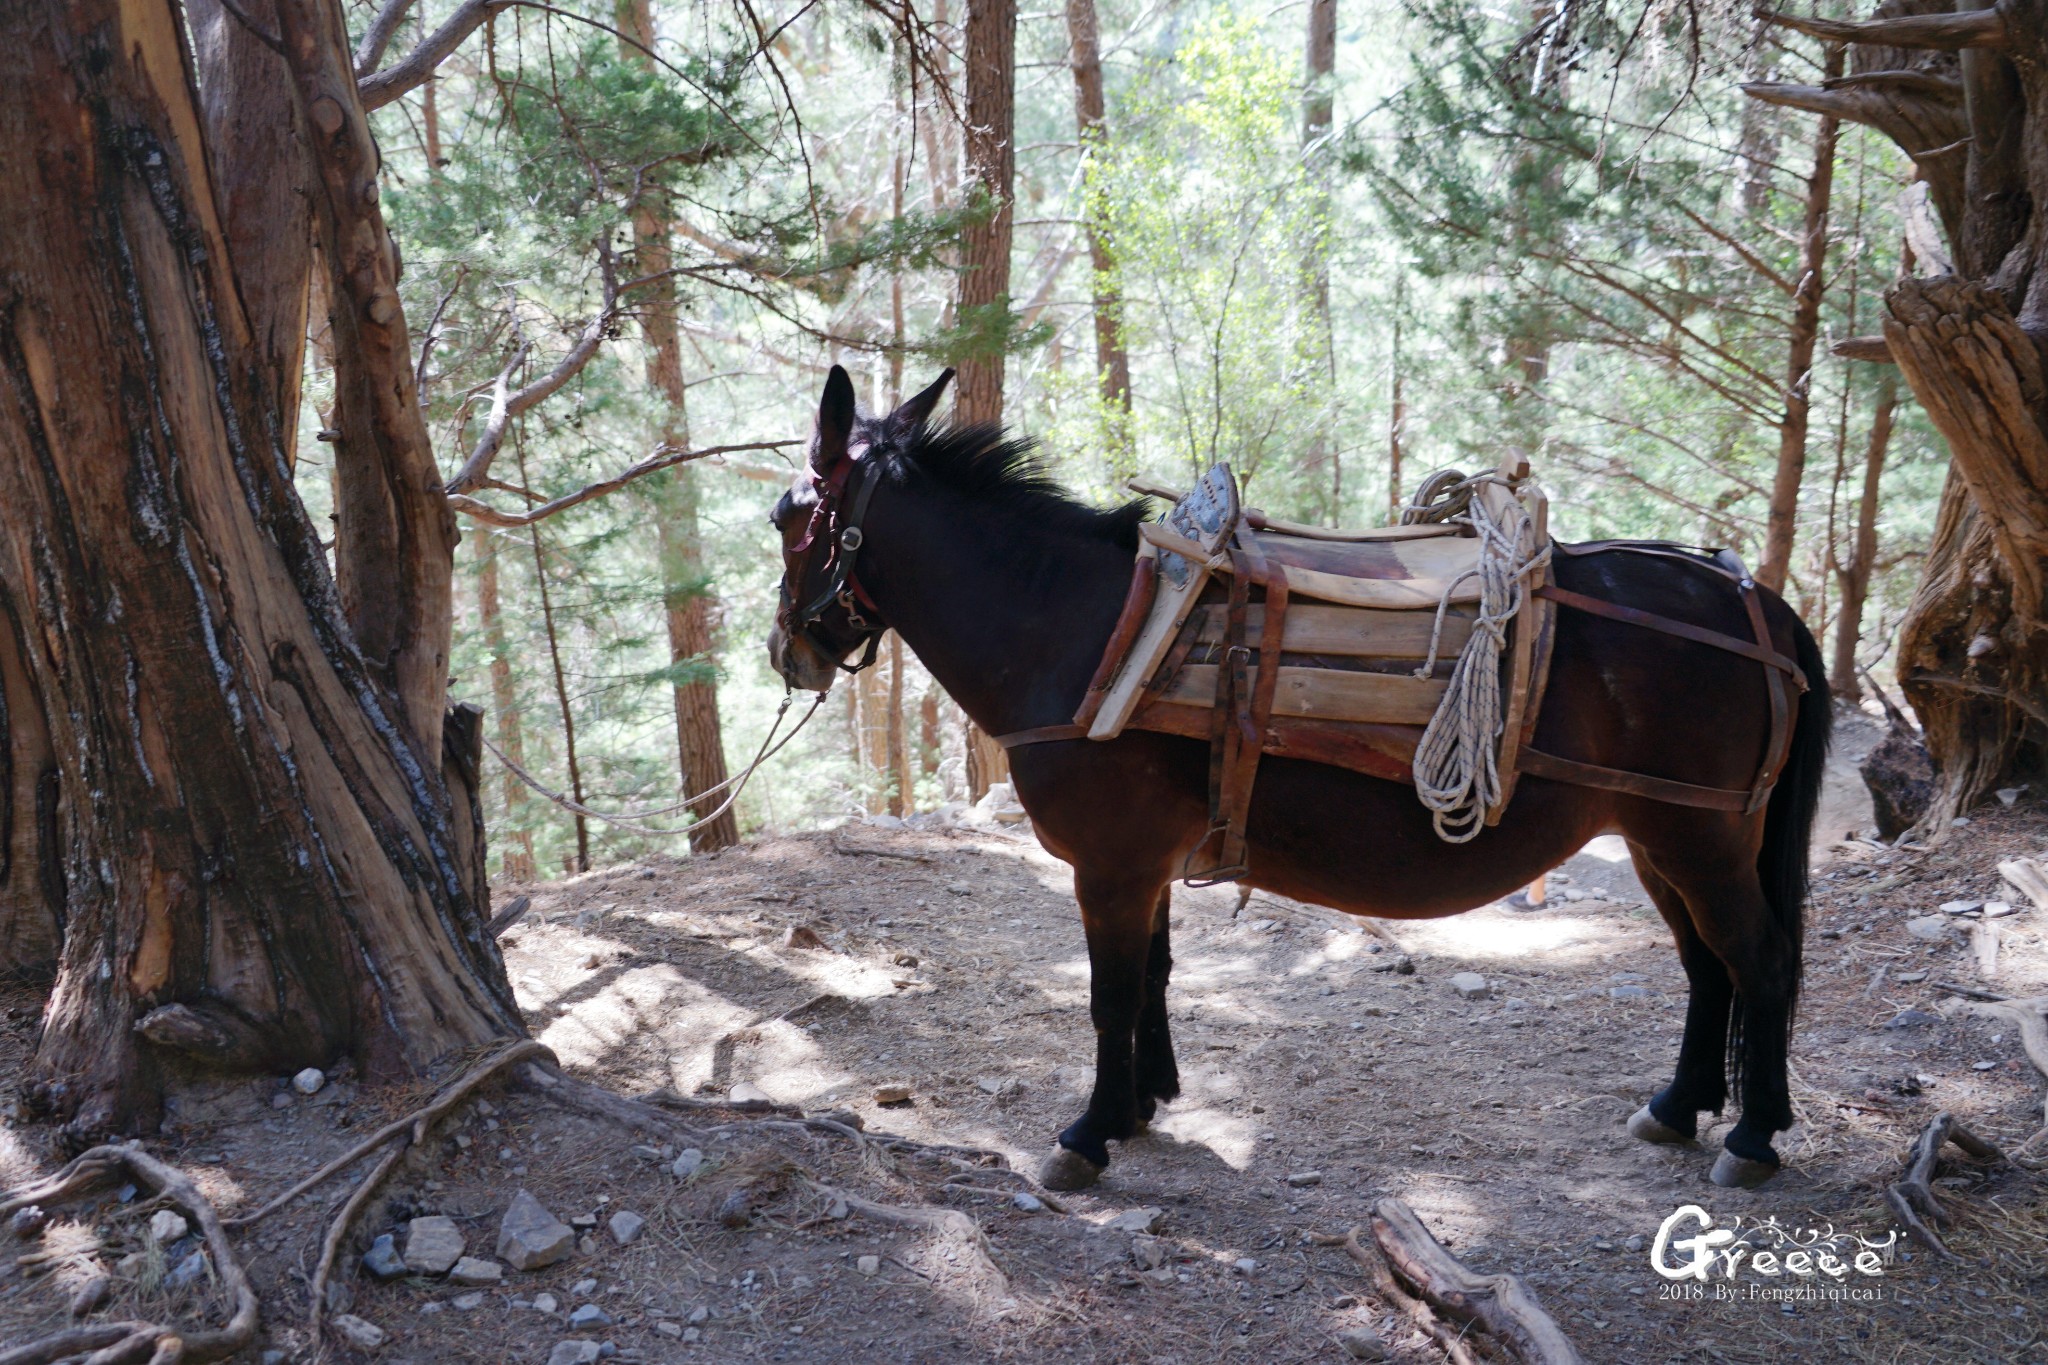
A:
1400,575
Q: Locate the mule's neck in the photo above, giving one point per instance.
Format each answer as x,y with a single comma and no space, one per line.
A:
1011,615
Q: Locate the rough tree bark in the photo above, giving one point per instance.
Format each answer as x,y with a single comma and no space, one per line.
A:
1808,287
260,862
686,594
31,884
984,291
1112,361
1852,575
1965,94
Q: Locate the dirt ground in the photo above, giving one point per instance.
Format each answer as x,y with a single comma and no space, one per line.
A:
1318,1078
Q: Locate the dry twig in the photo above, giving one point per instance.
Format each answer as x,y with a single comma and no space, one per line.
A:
1912,1196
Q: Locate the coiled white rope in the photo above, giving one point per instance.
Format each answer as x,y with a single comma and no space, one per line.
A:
1457,764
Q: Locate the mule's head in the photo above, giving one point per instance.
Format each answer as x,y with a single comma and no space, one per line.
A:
825,613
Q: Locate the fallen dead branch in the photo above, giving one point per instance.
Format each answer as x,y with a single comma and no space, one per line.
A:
1912,1196
2029,877
1390,1292
120,1343
509,916
1417,1267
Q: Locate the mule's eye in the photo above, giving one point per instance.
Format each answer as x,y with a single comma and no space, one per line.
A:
780,512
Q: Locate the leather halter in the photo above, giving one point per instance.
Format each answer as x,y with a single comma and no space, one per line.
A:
844,539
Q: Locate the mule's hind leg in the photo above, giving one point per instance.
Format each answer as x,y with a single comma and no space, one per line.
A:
1118,911
1734,919
1700,1082
1158,1075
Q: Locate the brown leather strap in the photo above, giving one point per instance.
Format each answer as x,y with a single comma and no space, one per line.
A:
1536,763
1254,717
1614,611
1129,621
1780,746
1232,689
1044,734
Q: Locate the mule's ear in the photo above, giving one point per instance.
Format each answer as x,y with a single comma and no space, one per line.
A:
917,409
835,421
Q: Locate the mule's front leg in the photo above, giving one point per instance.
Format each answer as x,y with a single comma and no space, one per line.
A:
1117,913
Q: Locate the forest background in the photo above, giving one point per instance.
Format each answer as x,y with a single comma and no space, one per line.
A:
1337,244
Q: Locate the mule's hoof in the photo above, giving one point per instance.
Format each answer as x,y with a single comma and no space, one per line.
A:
1066,1169
1647,1127
1732,1172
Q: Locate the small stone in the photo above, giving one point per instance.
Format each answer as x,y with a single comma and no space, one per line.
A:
475,1270
530,1237
274,1358
583,1222
1961,907
904,959
1634,1243
701,1314
746,1092
646,1153
892,1094
1983,1066
866,1265
802,936
1028,1202
626,1227
1997,909
28,1222
91,1296
1245,1265
433,1245
187,1273
1400,964
469,1302
574,1353
545,1303
2007,795
1145,1220
167,1226
309,1081
1631,993
590,1315
382,1259
583,1289
669,1329
1930,928
1912,1019
687,1163
1162,1278
364,1336
1910,978
960,888
692,1334
1362,1343
1149,1253
1301,1180
1470,986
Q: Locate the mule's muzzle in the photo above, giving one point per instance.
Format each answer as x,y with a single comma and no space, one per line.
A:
798,661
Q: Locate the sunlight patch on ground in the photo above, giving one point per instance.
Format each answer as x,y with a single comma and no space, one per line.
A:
1337,947
1554,940
1231,1138
1608,848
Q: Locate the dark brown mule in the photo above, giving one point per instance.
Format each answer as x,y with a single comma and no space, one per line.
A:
1008,591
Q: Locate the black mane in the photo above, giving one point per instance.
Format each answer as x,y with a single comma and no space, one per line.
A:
979,462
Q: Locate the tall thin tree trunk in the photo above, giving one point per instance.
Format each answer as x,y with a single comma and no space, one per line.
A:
984,291
686,595
518,859
929,742
1810,285
1318,115
257,851
1853,577
1112,361
547,620
898,745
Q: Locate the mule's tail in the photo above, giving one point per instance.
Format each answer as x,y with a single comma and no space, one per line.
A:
1781,864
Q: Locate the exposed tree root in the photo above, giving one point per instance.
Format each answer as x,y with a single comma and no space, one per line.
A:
1416,1274
129,1343
2033,1027
956,1233
1912,1196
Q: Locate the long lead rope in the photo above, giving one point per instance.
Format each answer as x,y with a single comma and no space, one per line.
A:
631,822
1457,764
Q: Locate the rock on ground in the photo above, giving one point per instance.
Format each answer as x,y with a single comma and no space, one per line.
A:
626,1227
433,1245
574,1353
474,1270
364,1336
530,1237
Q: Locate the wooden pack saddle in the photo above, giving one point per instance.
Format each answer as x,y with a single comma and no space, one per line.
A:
1366,628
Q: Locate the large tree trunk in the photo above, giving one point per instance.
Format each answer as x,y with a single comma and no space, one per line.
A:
1112,361
1966,93
1853,576
31,884
991,170
1811,283
261,865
